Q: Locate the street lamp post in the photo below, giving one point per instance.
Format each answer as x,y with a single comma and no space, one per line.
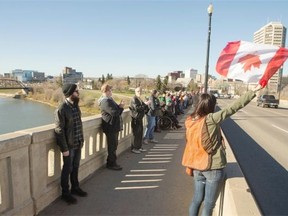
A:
210,11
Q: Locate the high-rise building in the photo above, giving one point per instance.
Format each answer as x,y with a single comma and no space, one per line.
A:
191,73
70,75
274,33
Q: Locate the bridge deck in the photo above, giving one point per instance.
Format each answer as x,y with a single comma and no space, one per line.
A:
151,183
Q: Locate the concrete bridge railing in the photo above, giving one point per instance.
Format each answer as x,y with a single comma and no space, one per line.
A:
30,168
30,164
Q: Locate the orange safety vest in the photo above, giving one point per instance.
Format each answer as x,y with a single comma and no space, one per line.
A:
195,156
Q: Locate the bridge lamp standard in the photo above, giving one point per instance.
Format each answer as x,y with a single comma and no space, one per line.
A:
210,11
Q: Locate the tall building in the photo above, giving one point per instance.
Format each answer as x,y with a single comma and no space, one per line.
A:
191,73
173,76
274,33
70,75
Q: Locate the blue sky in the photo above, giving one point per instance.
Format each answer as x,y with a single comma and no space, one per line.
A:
126,37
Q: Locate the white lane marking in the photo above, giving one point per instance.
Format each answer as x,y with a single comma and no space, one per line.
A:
162,149
136,181
244,111
149,170
151,162
143,175
158,155
161,158
157,152
135,188
167,145
280,128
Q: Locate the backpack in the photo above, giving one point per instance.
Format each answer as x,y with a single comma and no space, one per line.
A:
198,152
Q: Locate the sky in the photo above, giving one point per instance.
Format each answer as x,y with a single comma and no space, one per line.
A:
126,37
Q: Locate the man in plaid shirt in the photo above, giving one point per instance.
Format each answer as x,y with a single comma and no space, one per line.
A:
69,136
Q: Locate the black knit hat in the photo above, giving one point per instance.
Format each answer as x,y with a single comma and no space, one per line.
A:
68,89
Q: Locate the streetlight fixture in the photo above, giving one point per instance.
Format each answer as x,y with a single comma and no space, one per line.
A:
210,11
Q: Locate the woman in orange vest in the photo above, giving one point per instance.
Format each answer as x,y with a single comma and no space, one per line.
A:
204,156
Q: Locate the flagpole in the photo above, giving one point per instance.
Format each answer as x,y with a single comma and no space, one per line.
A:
210,11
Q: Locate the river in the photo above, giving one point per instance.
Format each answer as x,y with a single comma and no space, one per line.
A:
19,114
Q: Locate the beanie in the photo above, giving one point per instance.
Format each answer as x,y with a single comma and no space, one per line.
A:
68,89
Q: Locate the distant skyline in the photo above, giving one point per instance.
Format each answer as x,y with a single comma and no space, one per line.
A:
126,37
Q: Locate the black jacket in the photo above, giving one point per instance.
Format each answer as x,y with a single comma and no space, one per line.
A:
111,115
138,108
64,130
154,106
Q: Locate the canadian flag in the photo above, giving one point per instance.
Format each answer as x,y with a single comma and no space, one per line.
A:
250,62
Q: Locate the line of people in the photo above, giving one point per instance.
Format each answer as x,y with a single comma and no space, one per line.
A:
207,182
70,138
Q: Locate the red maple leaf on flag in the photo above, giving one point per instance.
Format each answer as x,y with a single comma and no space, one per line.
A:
250,60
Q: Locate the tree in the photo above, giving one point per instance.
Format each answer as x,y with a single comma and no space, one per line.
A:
103,79
109,77
158,83
94,84
59,81
128,80
192,86
164,86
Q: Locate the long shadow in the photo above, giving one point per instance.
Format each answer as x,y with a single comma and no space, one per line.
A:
267,179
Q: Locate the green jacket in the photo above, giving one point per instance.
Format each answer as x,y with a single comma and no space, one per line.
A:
213,121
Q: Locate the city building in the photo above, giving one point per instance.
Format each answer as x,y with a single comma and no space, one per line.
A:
70,75
274,33
28,75
191,73
184,81
173,76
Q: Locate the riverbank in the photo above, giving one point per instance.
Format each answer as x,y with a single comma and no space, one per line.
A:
6,95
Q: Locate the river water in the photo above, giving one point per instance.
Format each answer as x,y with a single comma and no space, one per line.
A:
19,114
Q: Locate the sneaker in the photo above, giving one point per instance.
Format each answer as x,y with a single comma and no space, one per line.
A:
142,150
115,167
153,141
79,192
178,126
145,141
69,199
136,151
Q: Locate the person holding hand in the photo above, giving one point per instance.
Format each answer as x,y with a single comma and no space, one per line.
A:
69,137
111,124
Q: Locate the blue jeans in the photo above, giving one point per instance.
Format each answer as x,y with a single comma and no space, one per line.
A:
207,186
149,131
70,169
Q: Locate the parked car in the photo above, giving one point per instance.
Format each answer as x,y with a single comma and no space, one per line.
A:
215,93
267,101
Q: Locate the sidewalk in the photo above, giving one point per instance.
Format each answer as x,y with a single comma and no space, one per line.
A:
151,183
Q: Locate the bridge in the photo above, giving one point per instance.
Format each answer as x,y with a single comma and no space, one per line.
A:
6,83
153,183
